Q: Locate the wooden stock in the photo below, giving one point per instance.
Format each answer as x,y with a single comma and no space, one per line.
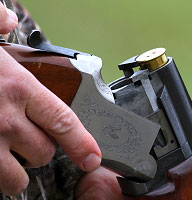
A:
53,71
179,186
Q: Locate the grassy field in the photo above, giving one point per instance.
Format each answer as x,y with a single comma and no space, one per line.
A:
118,29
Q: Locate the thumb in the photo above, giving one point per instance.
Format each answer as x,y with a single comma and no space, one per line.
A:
8,20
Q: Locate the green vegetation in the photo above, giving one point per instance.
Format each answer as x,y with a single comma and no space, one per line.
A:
118,29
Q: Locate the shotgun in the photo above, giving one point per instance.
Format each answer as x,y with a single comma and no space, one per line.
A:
142,122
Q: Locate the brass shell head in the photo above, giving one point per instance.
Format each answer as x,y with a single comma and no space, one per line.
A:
152,59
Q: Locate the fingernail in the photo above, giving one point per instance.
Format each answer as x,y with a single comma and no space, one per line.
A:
12,15
91,162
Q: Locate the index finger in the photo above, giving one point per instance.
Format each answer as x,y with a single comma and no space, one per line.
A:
52,115
58,120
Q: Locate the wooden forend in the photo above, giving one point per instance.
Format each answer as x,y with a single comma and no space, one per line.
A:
53,71
179,186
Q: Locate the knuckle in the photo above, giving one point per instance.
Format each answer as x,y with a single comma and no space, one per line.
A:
78,151
15,187
80,148
63,122
15,89
7,124
46,154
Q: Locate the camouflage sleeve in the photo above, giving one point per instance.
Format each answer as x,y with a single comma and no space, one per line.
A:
56,180
25,25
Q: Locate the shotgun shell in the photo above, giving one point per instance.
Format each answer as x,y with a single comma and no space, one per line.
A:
152,59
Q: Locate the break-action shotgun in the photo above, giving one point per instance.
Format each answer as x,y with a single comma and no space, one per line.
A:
142,122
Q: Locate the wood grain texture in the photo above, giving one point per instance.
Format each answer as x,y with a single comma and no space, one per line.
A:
53,71
179,186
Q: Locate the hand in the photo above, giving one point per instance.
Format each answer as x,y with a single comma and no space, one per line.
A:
8,20
32,119
100,184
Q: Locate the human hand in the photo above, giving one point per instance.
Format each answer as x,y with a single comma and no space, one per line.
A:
31,120
100,184
8,20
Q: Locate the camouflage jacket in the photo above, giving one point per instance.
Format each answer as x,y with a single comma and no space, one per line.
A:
55,181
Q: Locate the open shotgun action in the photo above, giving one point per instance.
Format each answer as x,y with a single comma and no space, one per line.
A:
142,122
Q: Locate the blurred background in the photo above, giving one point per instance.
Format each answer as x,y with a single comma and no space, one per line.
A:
116,30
